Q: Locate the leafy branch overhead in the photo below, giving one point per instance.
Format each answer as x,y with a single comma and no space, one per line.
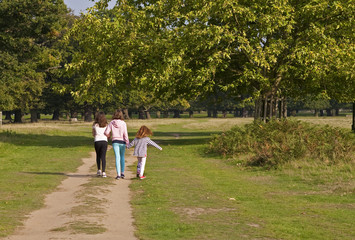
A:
187,48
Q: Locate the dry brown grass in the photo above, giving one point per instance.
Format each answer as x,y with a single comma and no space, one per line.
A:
342,122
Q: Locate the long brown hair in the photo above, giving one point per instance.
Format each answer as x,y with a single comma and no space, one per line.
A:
144,131
101,119
118,115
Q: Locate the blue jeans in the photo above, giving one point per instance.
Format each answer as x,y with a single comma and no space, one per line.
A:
119,150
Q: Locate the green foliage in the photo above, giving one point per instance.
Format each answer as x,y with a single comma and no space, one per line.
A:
28,29
188,48
278,142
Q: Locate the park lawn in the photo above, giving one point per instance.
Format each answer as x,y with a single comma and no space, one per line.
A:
33,161
189,194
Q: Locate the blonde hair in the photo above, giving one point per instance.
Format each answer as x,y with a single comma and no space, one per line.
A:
144,131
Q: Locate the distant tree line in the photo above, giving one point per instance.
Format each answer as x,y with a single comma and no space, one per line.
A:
266,59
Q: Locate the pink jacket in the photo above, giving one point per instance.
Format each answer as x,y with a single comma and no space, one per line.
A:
119,130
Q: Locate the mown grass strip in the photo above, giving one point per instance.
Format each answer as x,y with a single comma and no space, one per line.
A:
34,159
191,195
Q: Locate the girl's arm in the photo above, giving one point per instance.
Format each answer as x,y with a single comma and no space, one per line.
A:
93,131
125,134
131,144
152,143
108,130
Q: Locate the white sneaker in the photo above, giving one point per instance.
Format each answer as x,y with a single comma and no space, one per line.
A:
98,172
104,174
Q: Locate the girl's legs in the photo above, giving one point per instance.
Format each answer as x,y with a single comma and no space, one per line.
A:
143,161
116,149
139,166
103,155
97,150
122,159
101,149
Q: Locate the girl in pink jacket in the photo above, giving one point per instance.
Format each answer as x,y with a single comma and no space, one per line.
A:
118,130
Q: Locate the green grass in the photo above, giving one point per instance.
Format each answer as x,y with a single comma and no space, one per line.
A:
191,195
188,194
34,159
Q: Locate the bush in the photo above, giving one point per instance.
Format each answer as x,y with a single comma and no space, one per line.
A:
277,142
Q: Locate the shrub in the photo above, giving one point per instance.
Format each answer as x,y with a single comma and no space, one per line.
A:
277,142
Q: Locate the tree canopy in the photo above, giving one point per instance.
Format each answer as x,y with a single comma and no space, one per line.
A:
185,48
28,29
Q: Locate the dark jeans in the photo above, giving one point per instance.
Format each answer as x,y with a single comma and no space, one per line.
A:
101,149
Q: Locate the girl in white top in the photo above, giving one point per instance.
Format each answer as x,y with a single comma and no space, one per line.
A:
98,131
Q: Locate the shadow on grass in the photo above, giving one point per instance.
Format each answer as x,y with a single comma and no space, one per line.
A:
183,138
73,175
164,138
45,140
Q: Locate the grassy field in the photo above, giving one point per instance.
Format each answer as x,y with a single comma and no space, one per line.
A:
33,161
188,194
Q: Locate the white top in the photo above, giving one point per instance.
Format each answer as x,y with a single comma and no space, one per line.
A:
98,133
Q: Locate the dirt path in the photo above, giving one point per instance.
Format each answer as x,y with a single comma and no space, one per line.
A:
67,215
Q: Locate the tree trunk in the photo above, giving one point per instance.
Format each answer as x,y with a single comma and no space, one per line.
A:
353,126
215,113
141,114
224,113
147,115
56,114
176,114
316,112
34,116
73,114
19,116
268,108
191,114
88,114
8,116
158,114
209,113
125,113
166,114
244,113
284,108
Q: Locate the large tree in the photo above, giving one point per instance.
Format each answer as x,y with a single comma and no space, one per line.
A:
27,31
267,49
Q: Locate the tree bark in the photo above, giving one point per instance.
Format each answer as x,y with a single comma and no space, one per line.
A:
125,113
34,116
19,116
176,114
8,116
56,114
191,114
353,126
158,114
147,115
215,113
73,114
141,114
88,114
224,113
